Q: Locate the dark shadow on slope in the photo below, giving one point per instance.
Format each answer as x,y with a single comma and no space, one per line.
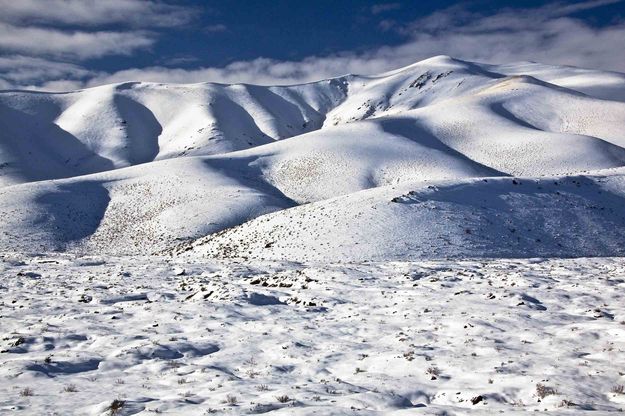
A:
142,128
241,171
54,369
259,299
611,150
529,79
479,69
289,119
411,130
248,176
40,150
316,122
567,217
45,106
533,302
127,85
237,125
73,211
500,110
604,92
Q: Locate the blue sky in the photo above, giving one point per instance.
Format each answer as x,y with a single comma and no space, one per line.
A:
65,44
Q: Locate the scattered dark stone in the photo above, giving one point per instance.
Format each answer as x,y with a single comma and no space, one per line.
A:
477,399
85,299
116,406
602,314
29,274
421,81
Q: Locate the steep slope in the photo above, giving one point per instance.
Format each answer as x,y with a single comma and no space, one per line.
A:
494,217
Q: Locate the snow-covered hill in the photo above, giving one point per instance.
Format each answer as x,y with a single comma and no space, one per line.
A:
140,167
489,217
57,135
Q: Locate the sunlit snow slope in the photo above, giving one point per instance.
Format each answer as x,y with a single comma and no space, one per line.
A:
387,166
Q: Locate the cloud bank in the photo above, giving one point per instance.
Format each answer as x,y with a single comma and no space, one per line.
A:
134,13
72,45
549,34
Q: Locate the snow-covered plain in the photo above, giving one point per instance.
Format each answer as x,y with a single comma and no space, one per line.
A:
441,239
162,335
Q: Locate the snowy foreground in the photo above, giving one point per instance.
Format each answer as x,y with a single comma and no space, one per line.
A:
125,336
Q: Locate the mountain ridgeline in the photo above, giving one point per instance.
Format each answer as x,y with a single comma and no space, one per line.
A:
443,158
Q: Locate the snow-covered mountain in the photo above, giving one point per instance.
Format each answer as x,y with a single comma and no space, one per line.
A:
421,161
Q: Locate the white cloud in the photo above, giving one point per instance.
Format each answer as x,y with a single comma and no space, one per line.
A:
41,41
258,71
5,85
547,34
71,44
384,7
558,40
543,34
59,85
137,13
574,7
21,70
